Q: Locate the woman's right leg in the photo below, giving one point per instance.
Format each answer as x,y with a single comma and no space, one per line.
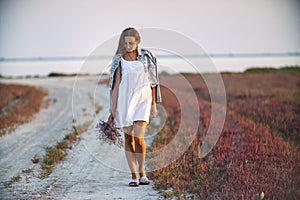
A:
139,128
130,151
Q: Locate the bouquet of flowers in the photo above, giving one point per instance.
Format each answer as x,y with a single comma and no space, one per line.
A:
109,134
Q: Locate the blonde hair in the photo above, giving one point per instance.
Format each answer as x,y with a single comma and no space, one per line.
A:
127,32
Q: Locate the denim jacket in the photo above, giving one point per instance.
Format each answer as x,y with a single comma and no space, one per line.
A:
150,67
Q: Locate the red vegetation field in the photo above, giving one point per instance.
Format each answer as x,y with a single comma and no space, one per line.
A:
17,104
258,150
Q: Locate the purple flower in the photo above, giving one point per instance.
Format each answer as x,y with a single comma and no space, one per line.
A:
109,134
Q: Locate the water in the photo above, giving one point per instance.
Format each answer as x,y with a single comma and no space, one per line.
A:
168,64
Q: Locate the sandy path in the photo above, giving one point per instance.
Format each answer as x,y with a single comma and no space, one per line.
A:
90,171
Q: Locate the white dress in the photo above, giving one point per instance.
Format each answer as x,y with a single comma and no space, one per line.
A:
134,99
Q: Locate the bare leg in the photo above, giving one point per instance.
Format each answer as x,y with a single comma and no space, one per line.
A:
129,151
139,128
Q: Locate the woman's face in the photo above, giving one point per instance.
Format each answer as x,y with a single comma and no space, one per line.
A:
130,43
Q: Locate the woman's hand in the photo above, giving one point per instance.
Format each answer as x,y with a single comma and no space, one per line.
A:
111,117
153,111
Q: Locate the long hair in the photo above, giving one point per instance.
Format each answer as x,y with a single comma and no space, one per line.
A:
127,32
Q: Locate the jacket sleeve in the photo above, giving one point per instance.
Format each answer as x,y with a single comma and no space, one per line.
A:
115,63
153,74
152,69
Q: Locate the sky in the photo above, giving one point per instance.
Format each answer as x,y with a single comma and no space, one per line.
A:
58,28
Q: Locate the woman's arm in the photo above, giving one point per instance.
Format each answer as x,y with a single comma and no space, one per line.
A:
153,106
115,93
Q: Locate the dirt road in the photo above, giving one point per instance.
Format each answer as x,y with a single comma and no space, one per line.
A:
91,170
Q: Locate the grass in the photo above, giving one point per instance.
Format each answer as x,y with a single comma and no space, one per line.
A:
71,136
81,128
18,104
272,100
273,70
58,152
52,157
15,179
58,74
104,80
65,144
258,151
27,170
97,106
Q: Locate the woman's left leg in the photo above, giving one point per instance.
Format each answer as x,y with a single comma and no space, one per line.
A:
139,128
130,152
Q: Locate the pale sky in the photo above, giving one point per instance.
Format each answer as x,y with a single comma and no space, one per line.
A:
46,28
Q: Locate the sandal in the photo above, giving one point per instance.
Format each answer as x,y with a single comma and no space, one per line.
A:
144,181
134,183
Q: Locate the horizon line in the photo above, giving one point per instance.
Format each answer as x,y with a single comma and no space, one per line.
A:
212,55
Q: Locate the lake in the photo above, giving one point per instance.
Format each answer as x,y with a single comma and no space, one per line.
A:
173,64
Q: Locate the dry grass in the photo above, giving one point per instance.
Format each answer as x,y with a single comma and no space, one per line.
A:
15,179
104,80
254,153
71,136
18,104
65,144
52,157
59,151
96,105
83,127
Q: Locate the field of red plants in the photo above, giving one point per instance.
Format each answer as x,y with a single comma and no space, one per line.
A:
17,104
257,153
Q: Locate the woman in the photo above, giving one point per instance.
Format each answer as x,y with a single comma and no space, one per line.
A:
134,92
